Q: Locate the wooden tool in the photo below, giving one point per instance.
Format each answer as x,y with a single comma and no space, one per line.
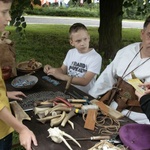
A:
76,105
19,113
77,100
93,138
90,119
107,110
68,84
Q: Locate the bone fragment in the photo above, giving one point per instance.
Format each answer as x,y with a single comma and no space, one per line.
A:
49,111
67,117
43,120
69,136
57,121
61,108
38,110
19,113
71,123
41,115
66,143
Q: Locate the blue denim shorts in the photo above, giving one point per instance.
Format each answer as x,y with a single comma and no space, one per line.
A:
6,142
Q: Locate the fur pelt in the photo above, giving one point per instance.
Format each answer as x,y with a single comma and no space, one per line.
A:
7,53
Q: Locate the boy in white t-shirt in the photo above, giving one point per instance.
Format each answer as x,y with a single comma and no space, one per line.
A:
82,63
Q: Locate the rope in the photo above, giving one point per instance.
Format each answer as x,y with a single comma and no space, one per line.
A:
108,126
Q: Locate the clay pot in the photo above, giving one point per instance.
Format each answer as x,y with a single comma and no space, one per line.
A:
6,72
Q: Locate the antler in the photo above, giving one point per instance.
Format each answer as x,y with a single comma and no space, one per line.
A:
57,136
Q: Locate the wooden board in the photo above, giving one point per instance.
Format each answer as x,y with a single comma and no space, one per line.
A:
90,119
107,110
135,83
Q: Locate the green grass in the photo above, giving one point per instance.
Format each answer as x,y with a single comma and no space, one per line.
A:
130,36
50,43
47,43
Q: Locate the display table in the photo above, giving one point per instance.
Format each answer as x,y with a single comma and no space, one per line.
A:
40,130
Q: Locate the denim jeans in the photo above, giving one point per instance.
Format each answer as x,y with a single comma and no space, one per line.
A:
6,142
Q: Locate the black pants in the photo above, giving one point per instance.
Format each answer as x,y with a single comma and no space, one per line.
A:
6,142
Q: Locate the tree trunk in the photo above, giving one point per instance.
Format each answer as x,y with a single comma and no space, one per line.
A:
110,30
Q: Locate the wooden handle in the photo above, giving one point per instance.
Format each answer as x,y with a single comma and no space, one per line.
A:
100,137
68,83
76,105
77,100
41,103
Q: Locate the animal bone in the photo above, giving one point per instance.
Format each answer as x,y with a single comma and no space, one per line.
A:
57,136
40,110
71,123
43,120
49,111
57,121
62,108
54,113
19,113
67,117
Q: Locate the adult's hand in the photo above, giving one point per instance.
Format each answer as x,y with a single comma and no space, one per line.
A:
139,95
146,87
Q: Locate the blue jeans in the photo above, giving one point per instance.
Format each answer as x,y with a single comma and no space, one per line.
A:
6,142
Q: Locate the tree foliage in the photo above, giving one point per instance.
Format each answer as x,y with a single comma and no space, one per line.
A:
110,30
111,14
142,6
18,7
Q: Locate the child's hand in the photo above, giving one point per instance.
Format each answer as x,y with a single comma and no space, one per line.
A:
15,95
26,138
47,68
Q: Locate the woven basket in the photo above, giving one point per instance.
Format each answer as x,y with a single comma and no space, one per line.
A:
103,145
23,67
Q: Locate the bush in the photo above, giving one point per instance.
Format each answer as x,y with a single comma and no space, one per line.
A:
88,10
75,9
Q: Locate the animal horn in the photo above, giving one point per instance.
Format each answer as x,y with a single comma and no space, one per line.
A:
67,117
70,137
40,110
43,120
66,143
57,121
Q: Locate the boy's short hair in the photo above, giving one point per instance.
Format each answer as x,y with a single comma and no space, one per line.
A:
147,22
77,26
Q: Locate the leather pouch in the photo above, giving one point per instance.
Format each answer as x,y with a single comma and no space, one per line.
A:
124,94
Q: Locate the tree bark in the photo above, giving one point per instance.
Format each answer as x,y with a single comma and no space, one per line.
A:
110,30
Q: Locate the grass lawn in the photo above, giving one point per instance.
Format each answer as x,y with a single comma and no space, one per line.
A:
50,43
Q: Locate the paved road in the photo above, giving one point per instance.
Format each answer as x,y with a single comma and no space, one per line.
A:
70,21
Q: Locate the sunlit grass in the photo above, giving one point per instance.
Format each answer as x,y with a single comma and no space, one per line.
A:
47,43
50,43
